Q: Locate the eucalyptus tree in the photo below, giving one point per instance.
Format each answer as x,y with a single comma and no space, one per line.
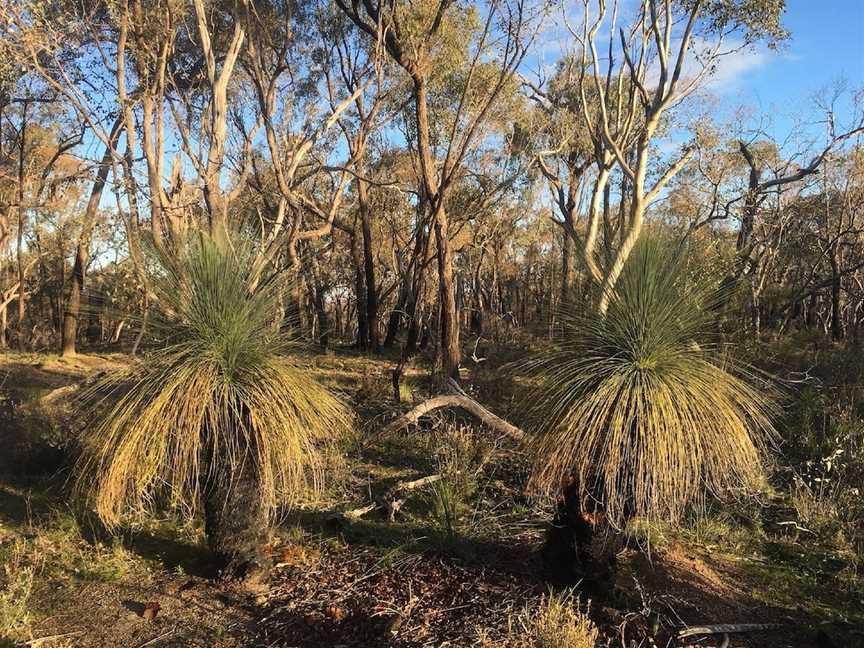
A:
662,41
37,171
75,53
442,42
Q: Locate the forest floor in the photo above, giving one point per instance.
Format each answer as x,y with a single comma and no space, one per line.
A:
459,565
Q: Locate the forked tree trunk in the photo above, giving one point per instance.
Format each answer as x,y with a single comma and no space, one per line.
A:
236,521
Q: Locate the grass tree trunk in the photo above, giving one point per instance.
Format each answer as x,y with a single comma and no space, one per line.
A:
235,518
581,546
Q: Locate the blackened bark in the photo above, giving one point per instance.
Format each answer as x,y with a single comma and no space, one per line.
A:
236,521
394,321
580,544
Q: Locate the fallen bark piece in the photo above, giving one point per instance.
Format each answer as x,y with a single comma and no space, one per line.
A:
416,483
63,392
34,643
726,628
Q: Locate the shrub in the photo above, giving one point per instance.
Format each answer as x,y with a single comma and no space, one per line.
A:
16,587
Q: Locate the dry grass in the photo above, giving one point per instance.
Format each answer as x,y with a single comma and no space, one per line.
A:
16,586
555,622
639,404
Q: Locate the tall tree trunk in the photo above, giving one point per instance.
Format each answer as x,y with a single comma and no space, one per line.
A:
566,270
450,350
362,341
316,291
414,318
369,268
82,251
19,245
435,191
478,305
836,293
4,322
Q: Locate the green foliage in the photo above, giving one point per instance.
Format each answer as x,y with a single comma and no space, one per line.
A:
640,406
16,586
440,42
756,19
461,455
823,442
222,389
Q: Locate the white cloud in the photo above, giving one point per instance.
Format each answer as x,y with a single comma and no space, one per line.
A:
732,68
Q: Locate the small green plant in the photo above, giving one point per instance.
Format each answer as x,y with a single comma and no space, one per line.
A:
447,503
16,587
460,455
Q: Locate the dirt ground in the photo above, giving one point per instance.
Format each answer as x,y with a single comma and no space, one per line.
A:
372,582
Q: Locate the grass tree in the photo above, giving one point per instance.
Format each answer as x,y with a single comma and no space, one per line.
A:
638,411
220,415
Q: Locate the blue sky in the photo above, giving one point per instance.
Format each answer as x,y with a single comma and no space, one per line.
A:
776,88
827,44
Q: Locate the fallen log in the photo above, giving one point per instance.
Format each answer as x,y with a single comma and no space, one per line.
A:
726,628
457,398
